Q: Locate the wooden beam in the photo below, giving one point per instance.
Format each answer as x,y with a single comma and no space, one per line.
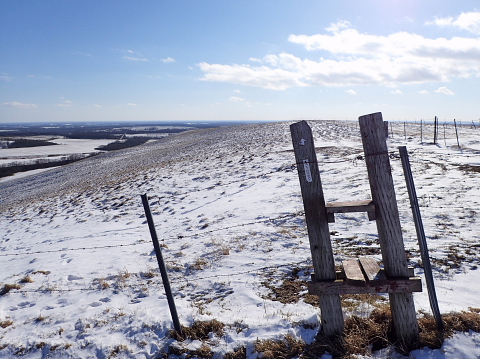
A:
317,224
388,224
407,285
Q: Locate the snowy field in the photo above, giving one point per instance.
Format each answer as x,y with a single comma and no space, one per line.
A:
84,283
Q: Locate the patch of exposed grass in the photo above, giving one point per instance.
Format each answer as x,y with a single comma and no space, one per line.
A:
199,330
26,279
8,287
6,323
288,347
204,352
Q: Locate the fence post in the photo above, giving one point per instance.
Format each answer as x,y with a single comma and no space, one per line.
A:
317,225
422,240
161,265
421,131
435,131
456,132
388,226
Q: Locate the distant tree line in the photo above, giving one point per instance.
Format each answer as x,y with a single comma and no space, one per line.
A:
118,145
9,169
24,142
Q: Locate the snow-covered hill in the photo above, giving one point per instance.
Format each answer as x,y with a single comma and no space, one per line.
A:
79,274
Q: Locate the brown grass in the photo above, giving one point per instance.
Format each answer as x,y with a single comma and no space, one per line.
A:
26,279
239,353
6,323
286,348
361,336
8,287
199,330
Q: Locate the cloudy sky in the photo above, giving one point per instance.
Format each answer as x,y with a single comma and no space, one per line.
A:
264,60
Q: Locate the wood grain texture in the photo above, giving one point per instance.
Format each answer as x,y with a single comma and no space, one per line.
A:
317,224
353,273
398,286
388,223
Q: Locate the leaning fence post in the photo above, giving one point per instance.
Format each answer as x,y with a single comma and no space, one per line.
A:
388,225
456,132
161,265
422,241
317,224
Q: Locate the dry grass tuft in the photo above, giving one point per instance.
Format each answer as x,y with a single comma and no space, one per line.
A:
239,353
199,330
286,348
6,323
8,287
204,352
117,350
199,264
44,272
26,279
288,292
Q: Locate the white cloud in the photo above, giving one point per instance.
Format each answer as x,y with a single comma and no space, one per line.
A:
20,105
66,103
236,99
263,76
5,77
469,21
423,92
132,104
168,59
351,92
237,91
396,92
98,106
356,58
445,91
131,58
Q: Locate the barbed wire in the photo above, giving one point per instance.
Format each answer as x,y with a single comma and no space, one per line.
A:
293,215
176,280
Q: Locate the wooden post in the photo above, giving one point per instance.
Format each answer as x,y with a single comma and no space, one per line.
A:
388,226
421,132
456,132
385,123
435,131
317,225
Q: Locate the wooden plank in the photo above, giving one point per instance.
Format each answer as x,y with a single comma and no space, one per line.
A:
352,206
317,224
408,285
372,271
353,273
388,224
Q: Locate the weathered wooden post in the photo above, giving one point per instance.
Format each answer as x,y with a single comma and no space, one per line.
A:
388,225
385,124
456,132
317,224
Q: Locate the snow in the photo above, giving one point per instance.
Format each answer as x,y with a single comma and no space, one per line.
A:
228,211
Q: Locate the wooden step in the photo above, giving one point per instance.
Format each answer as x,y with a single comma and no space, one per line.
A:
349,207
364,275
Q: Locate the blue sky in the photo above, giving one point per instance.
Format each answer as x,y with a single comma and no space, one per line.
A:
82,60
